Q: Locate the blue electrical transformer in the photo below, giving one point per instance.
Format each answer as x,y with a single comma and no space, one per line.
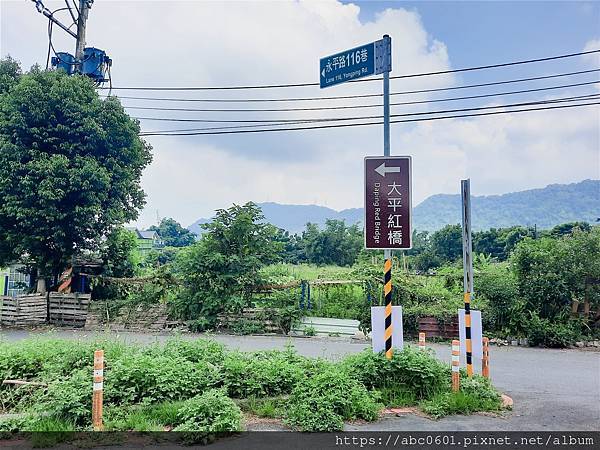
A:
64,61
95,64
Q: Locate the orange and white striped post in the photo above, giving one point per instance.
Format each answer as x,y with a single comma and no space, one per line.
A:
421,341
455,365
485,361
98,390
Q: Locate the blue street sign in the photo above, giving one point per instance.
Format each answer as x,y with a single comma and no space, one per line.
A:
355,63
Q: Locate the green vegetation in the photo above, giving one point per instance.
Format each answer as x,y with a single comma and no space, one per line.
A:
173,234
220,271
475,394
201,388
528,289
325,401
61,145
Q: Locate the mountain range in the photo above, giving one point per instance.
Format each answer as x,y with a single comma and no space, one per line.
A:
545,207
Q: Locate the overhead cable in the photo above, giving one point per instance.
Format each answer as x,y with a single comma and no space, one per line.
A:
396,77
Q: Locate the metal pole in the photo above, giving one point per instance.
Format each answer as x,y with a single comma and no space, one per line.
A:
386,105
467,269
387,268
81,23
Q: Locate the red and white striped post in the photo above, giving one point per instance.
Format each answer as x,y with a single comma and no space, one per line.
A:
485,361
98,390
455,365
421,341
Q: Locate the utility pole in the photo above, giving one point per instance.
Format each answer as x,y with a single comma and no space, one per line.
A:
84,6
467,268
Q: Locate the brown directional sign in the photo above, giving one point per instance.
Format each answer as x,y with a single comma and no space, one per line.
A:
388,202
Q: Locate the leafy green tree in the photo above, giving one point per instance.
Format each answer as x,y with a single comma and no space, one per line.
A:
220,271
119,256
569,228
10,72
293,249
336,244
425,260
514,235
70,167
420,242
173,234
161,257
490,243
552,272
446,243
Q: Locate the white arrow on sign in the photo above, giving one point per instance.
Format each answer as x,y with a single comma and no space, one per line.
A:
382,170
323,73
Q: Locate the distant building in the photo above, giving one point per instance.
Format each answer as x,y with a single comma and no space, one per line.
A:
13,282
147,240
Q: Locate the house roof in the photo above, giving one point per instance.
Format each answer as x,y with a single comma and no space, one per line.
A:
147,234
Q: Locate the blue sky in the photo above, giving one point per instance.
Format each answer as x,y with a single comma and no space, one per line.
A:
192,43
477,32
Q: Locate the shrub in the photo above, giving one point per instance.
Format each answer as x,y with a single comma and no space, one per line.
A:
69,399
197,350
479,387
413,370
555,333
151,378
323,402
261,374
209,414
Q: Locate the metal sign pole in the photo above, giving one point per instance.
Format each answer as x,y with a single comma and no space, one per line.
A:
468,269
387,267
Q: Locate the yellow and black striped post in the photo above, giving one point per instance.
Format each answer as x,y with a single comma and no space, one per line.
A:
387,291
468,341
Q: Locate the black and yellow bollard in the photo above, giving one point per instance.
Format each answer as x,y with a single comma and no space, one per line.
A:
387,290
468,341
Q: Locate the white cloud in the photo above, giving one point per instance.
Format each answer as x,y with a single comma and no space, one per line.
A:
166,43
593,59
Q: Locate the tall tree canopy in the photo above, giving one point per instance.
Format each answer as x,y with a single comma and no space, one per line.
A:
446,243
221,269
70,166
336,244
173,234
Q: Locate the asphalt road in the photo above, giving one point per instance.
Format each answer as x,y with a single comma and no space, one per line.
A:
552,389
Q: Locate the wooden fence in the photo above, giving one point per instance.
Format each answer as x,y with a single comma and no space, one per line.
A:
23,310
54,308
68,309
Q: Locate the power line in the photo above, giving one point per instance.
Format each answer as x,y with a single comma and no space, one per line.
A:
281,123
424,119
339,97
377,105
396,77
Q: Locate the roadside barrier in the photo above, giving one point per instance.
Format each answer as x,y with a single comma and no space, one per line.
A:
421,340
485,361
455,365
98,390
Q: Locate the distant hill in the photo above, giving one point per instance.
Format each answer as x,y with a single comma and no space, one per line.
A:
546,207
